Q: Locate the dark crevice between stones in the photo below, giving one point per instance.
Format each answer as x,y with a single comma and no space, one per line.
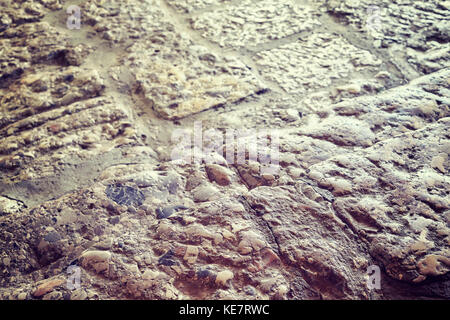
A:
437,287
17,200
7,79
168,211
257,212
167,259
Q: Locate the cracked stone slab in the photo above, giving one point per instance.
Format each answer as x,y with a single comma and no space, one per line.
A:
192,81
318,61
188,6
118,22
396,199
19,51
403,109
53,116
414,33
252,23
311,237
175,76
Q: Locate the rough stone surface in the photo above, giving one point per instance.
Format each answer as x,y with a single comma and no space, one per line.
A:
255,22
415,31
355,95
317,62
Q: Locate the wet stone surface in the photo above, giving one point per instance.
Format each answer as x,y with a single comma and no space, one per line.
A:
354,94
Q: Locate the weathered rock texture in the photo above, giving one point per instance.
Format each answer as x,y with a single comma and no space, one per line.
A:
358,93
